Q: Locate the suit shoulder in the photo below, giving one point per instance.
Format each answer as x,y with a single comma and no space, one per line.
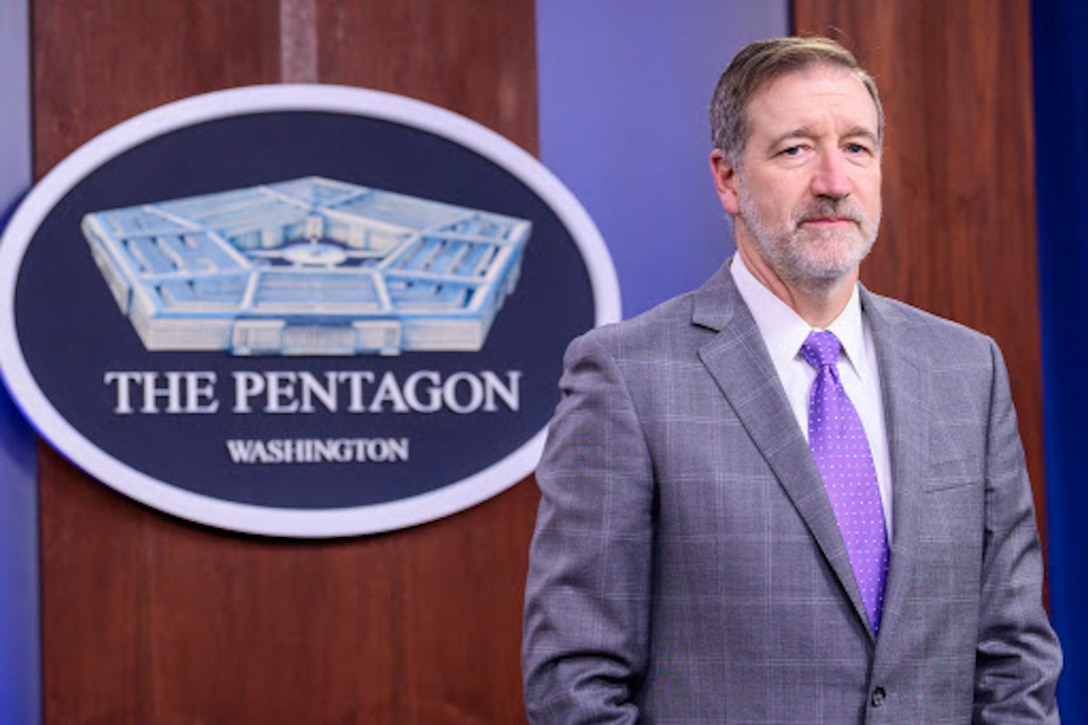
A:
647,329
932,332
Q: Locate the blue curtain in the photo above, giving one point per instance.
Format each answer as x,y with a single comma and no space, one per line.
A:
1061,119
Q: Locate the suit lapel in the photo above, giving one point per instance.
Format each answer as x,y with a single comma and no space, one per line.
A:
905,384
738,361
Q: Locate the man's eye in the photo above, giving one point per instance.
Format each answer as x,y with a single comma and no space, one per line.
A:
791,151
857,148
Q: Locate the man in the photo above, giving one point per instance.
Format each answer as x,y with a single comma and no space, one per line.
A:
781,498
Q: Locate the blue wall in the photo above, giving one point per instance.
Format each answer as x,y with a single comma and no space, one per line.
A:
624,93
1061,130
19,650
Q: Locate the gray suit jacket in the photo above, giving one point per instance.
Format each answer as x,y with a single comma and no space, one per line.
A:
687,567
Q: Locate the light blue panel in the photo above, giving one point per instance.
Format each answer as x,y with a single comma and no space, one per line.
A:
15,172
624,92
19,642
20,685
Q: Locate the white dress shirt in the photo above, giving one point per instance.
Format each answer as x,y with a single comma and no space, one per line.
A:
784,331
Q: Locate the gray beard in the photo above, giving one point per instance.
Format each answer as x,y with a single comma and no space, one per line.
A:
796,256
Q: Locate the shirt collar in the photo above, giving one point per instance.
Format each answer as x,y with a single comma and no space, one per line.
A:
784,331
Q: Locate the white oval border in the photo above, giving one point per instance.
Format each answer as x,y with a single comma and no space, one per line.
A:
246,518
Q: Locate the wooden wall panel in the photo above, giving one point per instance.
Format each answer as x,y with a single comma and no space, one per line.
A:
958,236
146,618
469,56
96,64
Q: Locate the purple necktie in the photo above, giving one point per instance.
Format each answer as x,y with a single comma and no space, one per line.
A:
842,454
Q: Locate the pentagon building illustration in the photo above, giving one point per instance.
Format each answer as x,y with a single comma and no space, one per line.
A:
309,266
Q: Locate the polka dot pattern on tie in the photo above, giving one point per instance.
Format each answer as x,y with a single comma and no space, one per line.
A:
842,454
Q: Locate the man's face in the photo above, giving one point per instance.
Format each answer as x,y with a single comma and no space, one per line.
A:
806,194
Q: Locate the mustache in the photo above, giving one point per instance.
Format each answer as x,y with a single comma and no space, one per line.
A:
829,208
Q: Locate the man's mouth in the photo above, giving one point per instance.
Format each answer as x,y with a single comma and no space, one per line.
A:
827,221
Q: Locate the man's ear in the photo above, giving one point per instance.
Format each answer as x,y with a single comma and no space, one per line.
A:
725,182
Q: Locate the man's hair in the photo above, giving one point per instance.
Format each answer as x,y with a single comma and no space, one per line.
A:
758,64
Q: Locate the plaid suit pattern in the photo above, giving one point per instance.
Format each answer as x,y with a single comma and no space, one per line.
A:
687,566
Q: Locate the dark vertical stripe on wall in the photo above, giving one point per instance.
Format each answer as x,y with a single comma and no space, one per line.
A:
1061,118
20,684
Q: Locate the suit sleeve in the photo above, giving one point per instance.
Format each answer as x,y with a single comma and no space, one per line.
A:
588,589
1018,657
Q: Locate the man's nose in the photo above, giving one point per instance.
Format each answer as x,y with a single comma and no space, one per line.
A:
831,179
